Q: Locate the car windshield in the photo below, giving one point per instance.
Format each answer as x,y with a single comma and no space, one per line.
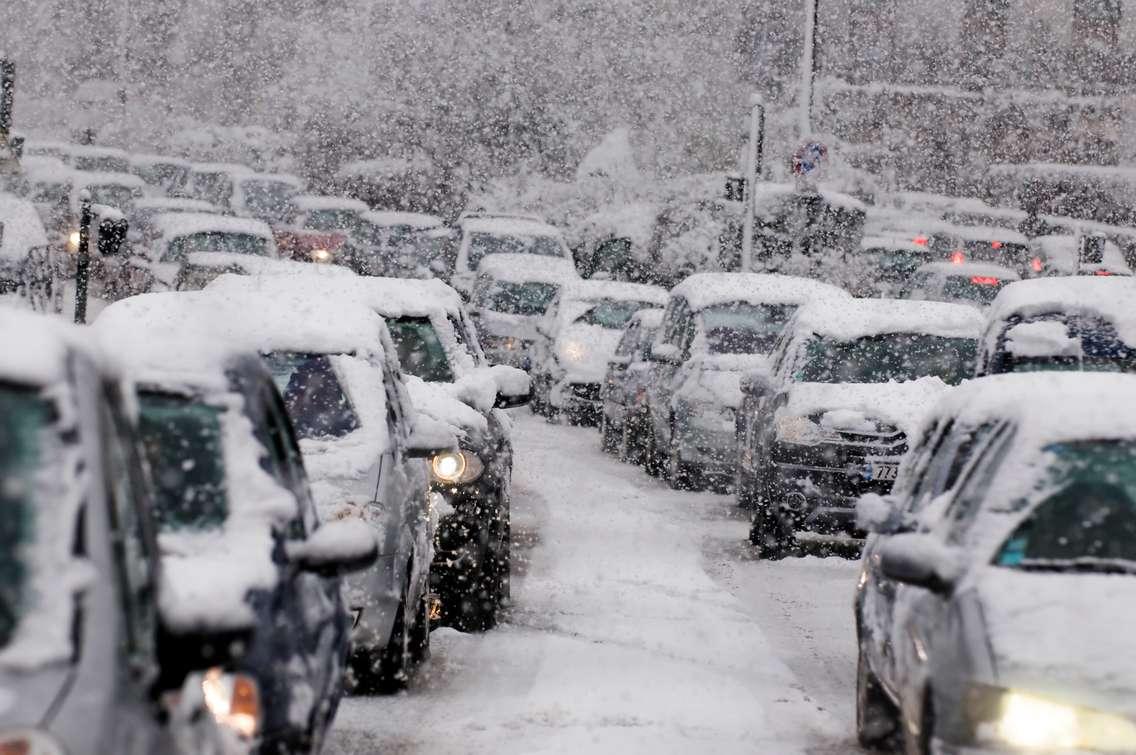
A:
313,394
483,244
1068,343
215,241
612,314
980,289
182,439
529,298
113,195
420,351
890,357
212,187
740,328
346,221
1086,520
24,420
269,201
104,164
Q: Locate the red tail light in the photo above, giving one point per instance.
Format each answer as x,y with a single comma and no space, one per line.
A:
921,240
1036,265
995,244
957,258
1102,272
985,280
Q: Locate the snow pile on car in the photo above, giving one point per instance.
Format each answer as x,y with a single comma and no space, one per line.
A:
1110,298
861,318
703,290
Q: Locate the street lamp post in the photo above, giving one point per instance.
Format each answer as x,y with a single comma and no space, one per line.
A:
754,155
83,256
808,67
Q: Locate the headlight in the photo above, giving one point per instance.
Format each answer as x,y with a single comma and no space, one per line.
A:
321,255
234,701
574,351
29,742
1029,722
802,431
73,240
456,467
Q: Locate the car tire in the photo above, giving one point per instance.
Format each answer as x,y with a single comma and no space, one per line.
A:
877,720
610,443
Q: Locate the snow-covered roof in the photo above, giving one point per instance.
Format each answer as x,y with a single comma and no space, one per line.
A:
1111,298
173,224
590,290
174,204
893,243
147,160
23,229
1060,254
522,268
703,290
83,178
35,346
845,320
32,164
310,202
969,269
386,218
509,226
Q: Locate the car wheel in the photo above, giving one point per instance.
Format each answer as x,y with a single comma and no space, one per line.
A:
876,716
609,442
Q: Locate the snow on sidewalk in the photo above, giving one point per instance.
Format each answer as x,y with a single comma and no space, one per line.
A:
618,640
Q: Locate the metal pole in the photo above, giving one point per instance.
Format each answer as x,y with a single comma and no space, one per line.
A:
754,154
83,260
808,67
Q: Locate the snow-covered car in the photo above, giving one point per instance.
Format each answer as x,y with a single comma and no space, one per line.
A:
248,558
24,254
399,245
485,235
82,156
1060,255
1066,323
576,338
974,283
144,211
848,384
888,265
214,183
990,245
319,229
717,327
993,607
449,382
625,421
265,196
161,172
79,628
363,444
316,212
512,294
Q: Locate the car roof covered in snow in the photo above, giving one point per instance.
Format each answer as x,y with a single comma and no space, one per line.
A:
703,290
172,224
893,243
969,269
523,268
288,179
32,165
35,346
509,226
1110,298
145,160
383,166
386,218
175,204
1061,254
849,319
311,202
591,290
23,229
233,168
82,178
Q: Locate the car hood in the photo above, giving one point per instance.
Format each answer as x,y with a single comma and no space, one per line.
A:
26,697
1062,634
589,362
501,324
853,407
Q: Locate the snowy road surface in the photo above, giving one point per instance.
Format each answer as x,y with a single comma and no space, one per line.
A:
640,624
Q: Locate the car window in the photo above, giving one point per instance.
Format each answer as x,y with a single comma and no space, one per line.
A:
345,221
420,350
528,298
219,242
741,328
888,357
482,245
316,400
610,314
974,483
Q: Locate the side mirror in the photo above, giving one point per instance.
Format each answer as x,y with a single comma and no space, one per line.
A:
514,387
880,514
509,401
338,547
430,438
922,561
757,383
666,353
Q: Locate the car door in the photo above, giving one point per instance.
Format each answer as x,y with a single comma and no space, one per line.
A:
614,382
676,322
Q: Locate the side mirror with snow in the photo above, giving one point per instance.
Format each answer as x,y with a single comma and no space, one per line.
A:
428,442
338,547
514,387
921,561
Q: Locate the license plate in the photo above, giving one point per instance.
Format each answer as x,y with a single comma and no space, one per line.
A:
881,470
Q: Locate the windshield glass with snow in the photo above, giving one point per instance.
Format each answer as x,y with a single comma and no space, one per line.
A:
530,298
740,328
892,357
482,245
216,188
182,441
24,419
315,398
420,351
979,289
269,201
612,314
344,221
215,241
1059,342
1086,519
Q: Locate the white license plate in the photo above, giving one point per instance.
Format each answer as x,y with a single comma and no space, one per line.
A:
882,470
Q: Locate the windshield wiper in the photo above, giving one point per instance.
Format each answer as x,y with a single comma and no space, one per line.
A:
1086,564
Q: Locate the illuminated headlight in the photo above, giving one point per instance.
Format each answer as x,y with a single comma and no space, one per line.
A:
1029,722
321,255
234,701
456,467
802,431
574,351
29,742
73,239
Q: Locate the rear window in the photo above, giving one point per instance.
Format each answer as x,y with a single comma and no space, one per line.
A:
612,314
183,443
530,298
1064,343
741,328
314,396
344,221
218,242
483,244
980,289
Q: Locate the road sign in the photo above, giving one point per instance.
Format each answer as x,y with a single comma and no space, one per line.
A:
808,158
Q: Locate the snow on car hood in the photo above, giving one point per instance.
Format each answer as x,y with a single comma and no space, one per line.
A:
716,378
852,405
584,351
1062,633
